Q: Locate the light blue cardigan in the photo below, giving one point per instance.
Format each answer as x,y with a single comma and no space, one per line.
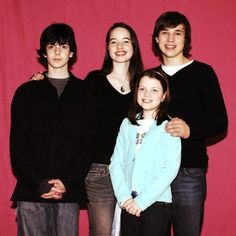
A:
153,167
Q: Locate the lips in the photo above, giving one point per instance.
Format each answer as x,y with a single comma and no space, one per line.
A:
120,53
147,100
170,46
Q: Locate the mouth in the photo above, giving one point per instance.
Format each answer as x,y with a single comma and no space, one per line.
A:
120,53
147,100
170,46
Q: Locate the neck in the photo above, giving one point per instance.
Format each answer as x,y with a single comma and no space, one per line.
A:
121,71
58,73
149,114
175,61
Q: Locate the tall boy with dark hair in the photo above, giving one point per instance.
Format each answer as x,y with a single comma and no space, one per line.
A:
51,141
198,112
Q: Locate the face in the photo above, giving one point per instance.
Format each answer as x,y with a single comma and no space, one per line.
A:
58,55
171,42
120,46
150,95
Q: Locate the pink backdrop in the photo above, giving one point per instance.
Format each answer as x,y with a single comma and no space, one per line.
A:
214,35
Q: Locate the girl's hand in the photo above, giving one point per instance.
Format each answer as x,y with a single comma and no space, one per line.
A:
38,76
133,209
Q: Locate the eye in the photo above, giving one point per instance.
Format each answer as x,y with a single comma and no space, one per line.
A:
64,46
127,41
163,32
155,90
50,47
178,33
112,42
141,89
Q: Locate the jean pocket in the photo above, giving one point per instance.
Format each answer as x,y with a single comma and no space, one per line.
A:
97,174
194,172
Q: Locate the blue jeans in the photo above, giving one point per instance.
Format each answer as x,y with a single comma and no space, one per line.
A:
47,219
101,198
152,222
188,193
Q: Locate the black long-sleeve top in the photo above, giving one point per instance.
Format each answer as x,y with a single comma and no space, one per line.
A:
51,138
197,99
111,108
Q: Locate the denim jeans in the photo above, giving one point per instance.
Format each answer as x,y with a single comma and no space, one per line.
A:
152,222
101,198
47,219
188,193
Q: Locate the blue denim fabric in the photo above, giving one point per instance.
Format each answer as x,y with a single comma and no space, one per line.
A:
101,198
47,219
188,193
152,222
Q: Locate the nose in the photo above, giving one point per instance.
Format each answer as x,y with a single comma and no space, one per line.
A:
147,93
119,45
170,37
57,49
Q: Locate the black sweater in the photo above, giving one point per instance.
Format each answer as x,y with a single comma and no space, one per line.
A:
197,99
51,137
111,108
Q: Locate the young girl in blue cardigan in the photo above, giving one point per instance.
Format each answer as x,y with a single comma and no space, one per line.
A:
146,160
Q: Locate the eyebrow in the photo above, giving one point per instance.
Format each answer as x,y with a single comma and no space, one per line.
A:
122,38
176,30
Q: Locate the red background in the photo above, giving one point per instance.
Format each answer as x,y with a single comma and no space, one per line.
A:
213,25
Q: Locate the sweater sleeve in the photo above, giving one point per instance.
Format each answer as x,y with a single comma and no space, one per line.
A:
22,160
215,120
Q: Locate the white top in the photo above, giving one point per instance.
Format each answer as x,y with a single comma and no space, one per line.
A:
171,70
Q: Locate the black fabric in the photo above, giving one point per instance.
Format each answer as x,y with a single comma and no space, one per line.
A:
51,138
111,108
197,99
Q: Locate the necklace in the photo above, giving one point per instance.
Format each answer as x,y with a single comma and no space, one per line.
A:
121,85
122,88
139,138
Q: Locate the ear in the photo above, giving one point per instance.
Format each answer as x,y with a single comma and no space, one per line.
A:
156,40
45,55
71,54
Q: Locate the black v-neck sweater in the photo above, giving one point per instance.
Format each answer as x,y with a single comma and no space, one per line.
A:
197,99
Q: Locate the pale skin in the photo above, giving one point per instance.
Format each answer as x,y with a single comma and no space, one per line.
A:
56,191
121,51
171,43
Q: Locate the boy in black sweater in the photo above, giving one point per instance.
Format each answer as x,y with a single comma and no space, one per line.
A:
198,112
51,140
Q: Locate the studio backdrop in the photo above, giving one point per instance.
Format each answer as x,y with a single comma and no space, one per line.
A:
213,40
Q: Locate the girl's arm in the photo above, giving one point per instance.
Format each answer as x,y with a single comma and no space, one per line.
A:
117,165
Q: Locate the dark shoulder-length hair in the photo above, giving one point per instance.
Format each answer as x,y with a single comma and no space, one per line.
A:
171,19
136,64
60,33
136,111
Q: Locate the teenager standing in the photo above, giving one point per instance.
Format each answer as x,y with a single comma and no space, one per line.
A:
198,112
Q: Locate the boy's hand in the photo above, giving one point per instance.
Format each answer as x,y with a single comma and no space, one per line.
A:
178,128
56,191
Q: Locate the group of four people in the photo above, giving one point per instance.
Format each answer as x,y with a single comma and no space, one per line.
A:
71,138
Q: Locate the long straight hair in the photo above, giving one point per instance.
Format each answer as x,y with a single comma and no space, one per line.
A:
136,64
